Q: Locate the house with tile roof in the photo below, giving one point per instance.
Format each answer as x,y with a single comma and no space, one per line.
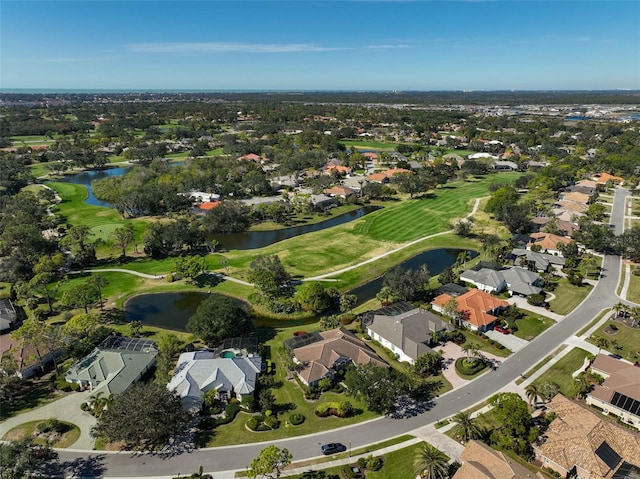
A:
384,177
340,191
549,243
114,366
340,169
576,196
480,461
581,443
604,178
330,352
619,394
208,205
29,360
255,158
409,335
198,372
478,309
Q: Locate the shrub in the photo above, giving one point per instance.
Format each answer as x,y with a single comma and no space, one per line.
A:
362,463
271,422
52,425
535,299
230,413
345,409
253,423
469,369
296,419
348,472
374,463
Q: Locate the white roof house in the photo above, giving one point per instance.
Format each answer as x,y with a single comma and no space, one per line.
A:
200,371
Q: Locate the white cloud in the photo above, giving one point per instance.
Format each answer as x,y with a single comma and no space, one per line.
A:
226,47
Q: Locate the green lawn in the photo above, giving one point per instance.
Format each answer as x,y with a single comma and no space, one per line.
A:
532,325
625,342
373,145
26,430
568,296
633,293
397,465
289,398
560,372
484,344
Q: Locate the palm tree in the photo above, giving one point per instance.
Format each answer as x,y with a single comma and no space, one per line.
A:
619,308
532,394
635,315
582,386
462,258
467,425
601,342
430,462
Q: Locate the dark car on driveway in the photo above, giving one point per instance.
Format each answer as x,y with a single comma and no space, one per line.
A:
333,448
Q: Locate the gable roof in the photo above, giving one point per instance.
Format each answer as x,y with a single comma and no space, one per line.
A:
576,196
482,462
339,191
8,315
577,433
317,358
602,178
520,280
200,371
409,331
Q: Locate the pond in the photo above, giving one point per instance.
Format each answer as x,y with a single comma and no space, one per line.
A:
436,260
173,310
259,239
164,310
86,177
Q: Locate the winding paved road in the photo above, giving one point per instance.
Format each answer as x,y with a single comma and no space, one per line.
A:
229,458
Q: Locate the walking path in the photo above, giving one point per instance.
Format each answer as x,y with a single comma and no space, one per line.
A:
155,276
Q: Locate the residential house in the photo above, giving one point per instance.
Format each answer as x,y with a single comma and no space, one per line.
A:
478,309
588,184
575,196
619,394
340,169
384,177
581,443
584,189
485,279
408,335
480,461
261,160
323,202
28,359
356,183
8,315
549,243
535,261
604,178
516,280
114,365
324,353
232,376
208,205
503,165
340,191
569,205
371,156
564,228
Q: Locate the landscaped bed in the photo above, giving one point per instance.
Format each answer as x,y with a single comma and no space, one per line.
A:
59,434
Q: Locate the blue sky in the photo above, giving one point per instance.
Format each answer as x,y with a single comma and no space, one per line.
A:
320,45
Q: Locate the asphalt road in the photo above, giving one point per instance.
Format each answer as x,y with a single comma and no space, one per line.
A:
126,464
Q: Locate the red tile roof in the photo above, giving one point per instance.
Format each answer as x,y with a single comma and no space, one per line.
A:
209,205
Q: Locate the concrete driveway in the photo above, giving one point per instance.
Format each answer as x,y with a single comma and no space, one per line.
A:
509,341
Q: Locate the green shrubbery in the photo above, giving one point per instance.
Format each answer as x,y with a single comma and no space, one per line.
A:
466,368
334,408
296,419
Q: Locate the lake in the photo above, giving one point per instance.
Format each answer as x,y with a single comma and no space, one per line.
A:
173,310
86,177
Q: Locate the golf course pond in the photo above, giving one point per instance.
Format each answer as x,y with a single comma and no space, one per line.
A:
173,310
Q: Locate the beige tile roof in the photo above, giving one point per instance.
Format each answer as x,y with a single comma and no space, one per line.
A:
548,241
573,437
318,357
482,462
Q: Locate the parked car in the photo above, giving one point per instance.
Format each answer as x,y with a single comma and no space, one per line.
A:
333,448
502,330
